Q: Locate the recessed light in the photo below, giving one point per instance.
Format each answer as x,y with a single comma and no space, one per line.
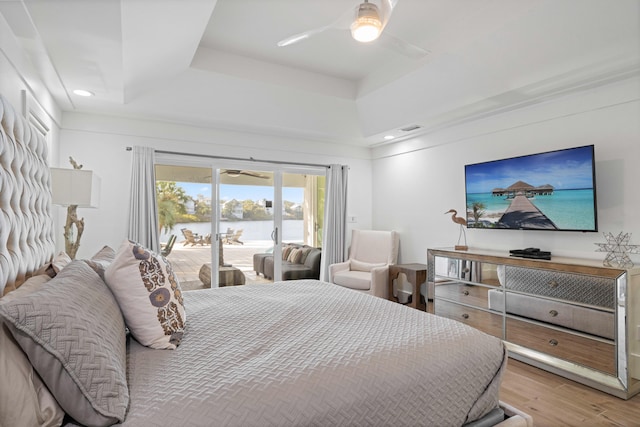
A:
82,92
388,137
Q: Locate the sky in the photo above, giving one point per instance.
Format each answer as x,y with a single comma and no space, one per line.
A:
564,169
242,192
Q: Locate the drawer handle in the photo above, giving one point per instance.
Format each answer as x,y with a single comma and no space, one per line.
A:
553,342
553,313
465,293
465,316
553,284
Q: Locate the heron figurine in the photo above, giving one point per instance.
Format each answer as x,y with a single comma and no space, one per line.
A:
463,222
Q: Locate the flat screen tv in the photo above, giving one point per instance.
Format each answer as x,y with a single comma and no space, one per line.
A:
555,190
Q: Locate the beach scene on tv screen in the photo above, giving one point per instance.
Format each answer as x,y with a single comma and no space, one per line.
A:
547,191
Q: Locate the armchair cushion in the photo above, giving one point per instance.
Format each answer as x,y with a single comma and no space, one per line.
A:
360,280
365,266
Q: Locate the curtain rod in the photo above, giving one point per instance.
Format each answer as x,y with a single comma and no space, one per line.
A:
250,159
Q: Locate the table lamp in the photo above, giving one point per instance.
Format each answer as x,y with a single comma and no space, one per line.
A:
74,188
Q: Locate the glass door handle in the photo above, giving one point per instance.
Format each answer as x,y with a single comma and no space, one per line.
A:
274,235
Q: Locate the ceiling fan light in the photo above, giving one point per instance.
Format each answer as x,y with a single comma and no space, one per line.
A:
367,25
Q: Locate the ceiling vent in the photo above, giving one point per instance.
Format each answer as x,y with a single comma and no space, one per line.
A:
410,128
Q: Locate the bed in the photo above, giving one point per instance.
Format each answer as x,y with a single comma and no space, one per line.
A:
304,353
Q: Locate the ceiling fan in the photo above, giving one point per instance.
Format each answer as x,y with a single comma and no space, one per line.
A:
367,23
234,173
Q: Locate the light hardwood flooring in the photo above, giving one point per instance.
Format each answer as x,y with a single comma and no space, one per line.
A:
554,401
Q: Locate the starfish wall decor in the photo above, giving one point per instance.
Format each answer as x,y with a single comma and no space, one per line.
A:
618,250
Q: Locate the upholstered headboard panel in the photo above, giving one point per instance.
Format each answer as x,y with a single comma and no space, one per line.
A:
26,223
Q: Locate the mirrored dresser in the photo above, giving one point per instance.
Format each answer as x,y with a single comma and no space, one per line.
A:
573,317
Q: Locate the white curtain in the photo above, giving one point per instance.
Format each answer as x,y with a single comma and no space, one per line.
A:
143,211
335,219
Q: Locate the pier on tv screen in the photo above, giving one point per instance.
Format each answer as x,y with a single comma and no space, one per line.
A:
555,190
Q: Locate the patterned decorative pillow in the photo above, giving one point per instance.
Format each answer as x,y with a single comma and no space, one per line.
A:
74,335
149,296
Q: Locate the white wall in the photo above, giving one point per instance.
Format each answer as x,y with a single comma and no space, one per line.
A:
417,180
19,83
99,143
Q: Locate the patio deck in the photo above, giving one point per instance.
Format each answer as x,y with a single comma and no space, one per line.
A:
187,261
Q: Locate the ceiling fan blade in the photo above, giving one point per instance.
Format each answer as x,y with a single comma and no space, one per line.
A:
386,9
343,22
394,43
255,175
301,36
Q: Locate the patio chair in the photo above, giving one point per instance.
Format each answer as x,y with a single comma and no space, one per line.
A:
166,249
191,238
235,238
228,235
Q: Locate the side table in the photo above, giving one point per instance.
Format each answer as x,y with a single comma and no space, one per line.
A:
416,275
227,276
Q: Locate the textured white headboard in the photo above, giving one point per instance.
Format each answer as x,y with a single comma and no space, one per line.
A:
26,223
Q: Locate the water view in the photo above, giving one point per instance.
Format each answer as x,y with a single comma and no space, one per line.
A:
292,230
568,209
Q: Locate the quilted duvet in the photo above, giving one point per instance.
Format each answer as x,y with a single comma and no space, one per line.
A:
309,353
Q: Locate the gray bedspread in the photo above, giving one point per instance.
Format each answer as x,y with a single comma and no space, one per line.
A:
314,354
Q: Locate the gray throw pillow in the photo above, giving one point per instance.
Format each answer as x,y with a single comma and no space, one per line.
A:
73,332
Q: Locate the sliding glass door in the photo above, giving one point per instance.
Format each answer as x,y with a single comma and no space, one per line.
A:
185,213
247,224
230,220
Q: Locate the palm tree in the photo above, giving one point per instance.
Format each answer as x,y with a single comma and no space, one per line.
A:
478,211
172,202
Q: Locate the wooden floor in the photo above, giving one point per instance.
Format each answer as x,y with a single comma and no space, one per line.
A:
555,401
187,261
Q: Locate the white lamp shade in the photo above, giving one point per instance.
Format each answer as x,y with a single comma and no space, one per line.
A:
75,187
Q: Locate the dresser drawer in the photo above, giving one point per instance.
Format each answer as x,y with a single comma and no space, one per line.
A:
486,322
580,318
584,351
460,292
572,287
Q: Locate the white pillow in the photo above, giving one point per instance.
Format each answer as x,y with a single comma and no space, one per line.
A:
55,266
148,294
24,397
60,261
